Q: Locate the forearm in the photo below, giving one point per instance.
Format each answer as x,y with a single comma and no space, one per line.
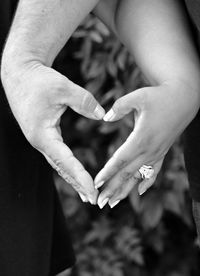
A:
156,33
40,30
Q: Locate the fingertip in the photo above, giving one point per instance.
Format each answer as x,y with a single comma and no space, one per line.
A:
142,189
83,198
98,179
145,185
109,116
93,196
113,204
101,199
99,112
99,184
103,203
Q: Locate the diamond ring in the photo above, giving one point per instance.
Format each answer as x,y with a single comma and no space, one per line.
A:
146,172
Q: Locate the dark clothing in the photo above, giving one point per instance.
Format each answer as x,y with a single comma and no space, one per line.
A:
33,235
192,133
193,7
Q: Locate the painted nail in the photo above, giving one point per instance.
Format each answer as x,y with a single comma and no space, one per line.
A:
114,204
109,115
103,203
141,190
99,112
99,184
83,198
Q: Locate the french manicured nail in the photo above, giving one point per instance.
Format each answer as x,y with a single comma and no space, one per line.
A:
84,199
99,112
99,184
103,203
114,204
142,189
109,116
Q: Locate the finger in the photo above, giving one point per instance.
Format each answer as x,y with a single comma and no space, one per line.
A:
69,168
83,102
122,184
83,197
125,189
132,149
147,183
124,105
116,188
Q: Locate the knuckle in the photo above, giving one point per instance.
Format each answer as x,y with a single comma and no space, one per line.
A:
59,90
110,192
119,194
126,176
120,191
65,174
144,144
155,152
75,185
121,164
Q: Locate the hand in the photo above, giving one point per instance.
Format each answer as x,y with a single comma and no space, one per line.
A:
161,114
38,97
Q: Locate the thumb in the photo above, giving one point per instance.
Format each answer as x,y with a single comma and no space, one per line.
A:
84,103
133,101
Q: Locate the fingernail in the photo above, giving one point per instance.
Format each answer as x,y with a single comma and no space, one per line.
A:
109,115
99,184
114,204
99,112
103,203
84,199
92,201
141,190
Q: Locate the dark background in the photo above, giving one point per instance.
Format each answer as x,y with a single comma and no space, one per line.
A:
142,236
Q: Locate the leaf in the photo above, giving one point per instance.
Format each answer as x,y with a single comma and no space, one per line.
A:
171,202
112,68
152,211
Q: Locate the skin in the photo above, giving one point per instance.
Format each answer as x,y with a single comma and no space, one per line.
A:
156,33
37,94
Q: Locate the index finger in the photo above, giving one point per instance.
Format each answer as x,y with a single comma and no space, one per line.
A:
69,168
131,150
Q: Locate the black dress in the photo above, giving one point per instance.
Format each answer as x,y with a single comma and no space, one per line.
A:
34,240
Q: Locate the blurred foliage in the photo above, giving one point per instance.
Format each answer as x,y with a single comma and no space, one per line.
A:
149,235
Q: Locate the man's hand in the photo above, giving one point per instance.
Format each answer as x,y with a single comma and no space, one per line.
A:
37,94
38,99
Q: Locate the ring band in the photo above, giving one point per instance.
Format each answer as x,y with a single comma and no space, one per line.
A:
146,172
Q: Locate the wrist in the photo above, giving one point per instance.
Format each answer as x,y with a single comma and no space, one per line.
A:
15,64
186,92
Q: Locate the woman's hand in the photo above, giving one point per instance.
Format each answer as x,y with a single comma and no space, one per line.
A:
161,114
38,96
